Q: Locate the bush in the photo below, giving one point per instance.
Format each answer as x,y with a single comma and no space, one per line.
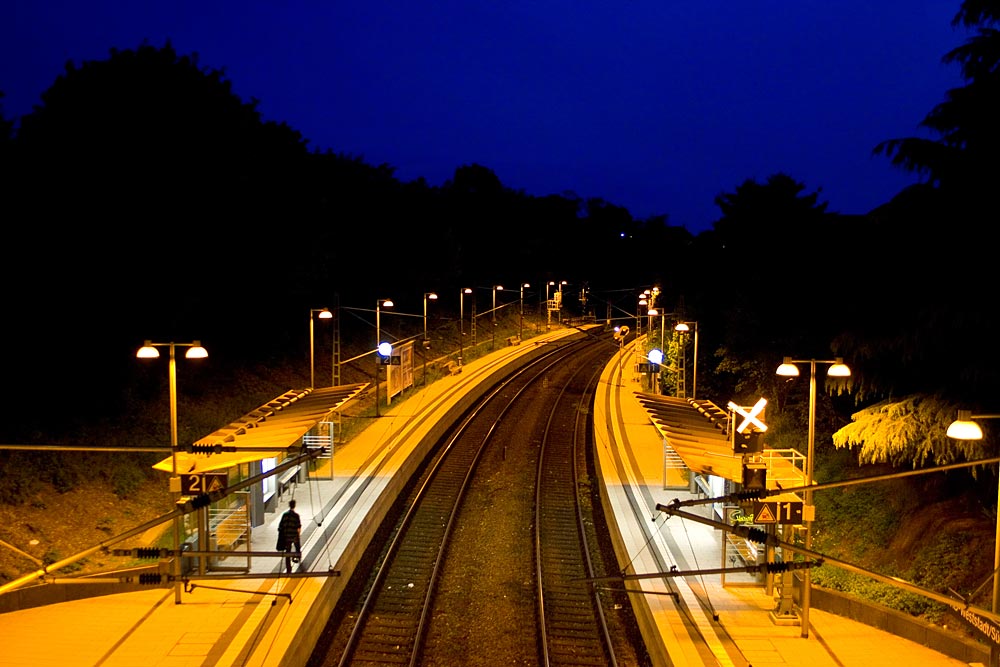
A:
125,478
866,588
19,479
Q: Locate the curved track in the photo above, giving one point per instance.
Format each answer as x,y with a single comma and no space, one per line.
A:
571,617
458,580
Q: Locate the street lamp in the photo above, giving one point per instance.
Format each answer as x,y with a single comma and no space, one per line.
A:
379,305
493,316
643,301
788,369
964,428
520,319
324,314
548,310
194,351
655,358
427,343
461,322
559,301
685,327
651,295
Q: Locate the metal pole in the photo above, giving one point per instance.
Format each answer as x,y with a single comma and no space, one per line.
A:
378,336
806,578
548,313
461,325
520,318
335,353
994,649
312,354
694,374
172,374
423,378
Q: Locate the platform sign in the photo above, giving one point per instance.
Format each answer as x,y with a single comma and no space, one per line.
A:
777,511
986,626
208,482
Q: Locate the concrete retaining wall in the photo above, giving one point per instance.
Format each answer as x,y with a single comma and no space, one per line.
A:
898,623
53,593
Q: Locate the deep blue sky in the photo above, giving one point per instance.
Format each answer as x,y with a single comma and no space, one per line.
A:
657,106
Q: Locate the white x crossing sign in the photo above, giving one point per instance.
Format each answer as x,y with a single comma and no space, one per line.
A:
750,418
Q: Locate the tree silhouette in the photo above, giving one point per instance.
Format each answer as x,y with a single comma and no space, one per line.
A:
142,189
963,157
924,331
769,281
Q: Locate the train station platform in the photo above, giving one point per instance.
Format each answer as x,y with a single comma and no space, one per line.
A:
274,619
732,612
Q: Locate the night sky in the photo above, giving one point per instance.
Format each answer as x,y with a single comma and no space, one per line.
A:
654,106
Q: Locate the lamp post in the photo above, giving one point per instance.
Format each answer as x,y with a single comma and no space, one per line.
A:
964,428
548,311
651,296
685,327
654,312
323,314
493,317
194,351
427,343
559,291
379,305
461,322
520,317
655,358
789,369
643,301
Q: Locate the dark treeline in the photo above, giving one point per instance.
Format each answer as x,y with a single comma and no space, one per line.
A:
143,199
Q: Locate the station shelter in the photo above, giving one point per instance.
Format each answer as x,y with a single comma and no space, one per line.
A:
699,436
252,446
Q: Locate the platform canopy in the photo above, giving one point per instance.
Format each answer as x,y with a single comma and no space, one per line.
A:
262,433
697,431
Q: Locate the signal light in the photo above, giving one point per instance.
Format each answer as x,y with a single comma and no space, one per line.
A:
200,501
755,476
748,442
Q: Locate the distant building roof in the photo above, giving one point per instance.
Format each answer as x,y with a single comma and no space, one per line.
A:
278,424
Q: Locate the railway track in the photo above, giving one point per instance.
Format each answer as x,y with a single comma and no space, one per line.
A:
503,504
571,618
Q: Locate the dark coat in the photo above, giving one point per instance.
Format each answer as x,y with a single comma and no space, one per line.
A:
288,530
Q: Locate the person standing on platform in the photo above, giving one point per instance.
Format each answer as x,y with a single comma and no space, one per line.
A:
290,535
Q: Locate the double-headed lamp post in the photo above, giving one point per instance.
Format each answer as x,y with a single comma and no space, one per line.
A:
194,351
461,322
964,428
427,343
788,368
379,305
323,314
685,327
